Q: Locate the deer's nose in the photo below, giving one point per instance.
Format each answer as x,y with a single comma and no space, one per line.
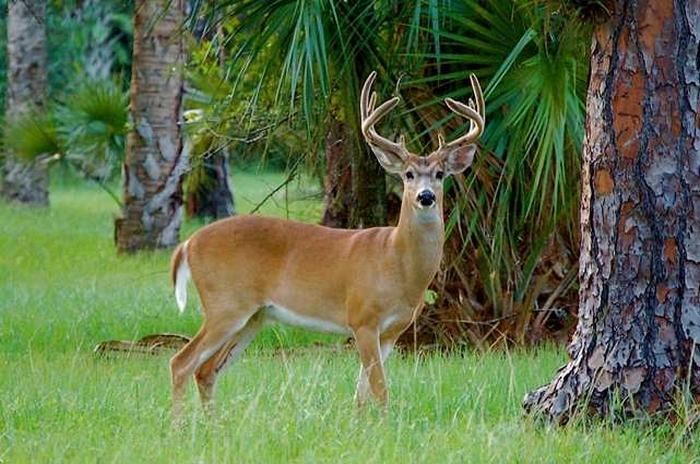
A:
426,198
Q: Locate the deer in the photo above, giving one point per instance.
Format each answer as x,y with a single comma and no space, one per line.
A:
366,283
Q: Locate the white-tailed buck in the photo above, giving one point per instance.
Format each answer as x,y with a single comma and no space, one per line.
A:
366,283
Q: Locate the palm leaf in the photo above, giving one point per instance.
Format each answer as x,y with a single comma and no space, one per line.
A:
32,135
529,61
93,121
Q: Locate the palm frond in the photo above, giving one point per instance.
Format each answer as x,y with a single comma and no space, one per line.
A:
510,213
32,135
93,120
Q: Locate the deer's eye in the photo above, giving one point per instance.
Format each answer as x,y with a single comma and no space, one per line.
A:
439,175
409,175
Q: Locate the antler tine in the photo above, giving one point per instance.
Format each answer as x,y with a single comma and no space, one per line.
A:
372,102
441,139
479,95
377,114
369,117
474,111
364,95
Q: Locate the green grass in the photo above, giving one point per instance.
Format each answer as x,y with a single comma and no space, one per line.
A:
63,289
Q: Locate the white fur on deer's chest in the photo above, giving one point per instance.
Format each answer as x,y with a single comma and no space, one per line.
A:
290,317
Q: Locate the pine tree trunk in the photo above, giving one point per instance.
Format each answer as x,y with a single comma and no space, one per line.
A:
155,156
23,181
639,316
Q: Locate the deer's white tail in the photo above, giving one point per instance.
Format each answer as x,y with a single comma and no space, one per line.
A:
181,275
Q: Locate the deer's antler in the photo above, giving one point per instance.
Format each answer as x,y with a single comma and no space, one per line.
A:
476,114
369,116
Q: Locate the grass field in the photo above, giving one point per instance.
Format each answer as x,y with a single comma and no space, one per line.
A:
63,289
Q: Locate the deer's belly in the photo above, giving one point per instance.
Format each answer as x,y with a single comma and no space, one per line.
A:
288,316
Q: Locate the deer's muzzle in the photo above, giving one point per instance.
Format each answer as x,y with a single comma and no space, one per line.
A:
426,198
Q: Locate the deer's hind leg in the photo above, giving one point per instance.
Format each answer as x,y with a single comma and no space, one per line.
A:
212,336
206,374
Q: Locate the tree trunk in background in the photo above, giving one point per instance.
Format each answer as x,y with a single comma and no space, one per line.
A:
639,316
368,189
337,180
99,55
155,156
212,198
354,182
22,181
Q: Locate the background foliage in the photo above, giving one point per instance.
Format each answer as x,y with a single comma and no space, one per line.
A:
85,39
511,257
89,64
266,79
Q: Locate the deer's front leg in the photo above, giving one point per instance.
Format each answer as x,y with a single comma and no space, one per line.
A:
371,378
386,345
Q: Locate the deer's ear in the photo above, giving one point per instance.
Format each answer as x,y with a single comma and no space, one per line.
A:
459,159
391,162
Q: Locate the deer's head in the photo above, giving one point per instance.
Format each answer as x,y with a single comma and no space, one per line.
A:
423,176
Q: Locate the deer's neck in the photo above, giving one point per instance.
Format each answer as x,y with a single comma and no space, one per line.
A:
419,238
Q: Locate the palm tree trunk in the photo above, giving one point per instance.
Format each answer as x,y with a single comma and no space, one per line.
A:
155,155
337,179
212,198
369,200
635,346
368,190
99,55
354,183
22,181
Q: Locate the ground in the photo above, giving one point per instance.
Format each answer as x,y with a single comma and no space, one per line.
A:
289,398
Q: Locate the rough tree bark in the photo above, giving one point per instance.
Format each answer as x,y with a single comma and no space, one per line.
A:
213,197
99,55
635,347
368,190
156,157
365,193
354,183
337,180
23,181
